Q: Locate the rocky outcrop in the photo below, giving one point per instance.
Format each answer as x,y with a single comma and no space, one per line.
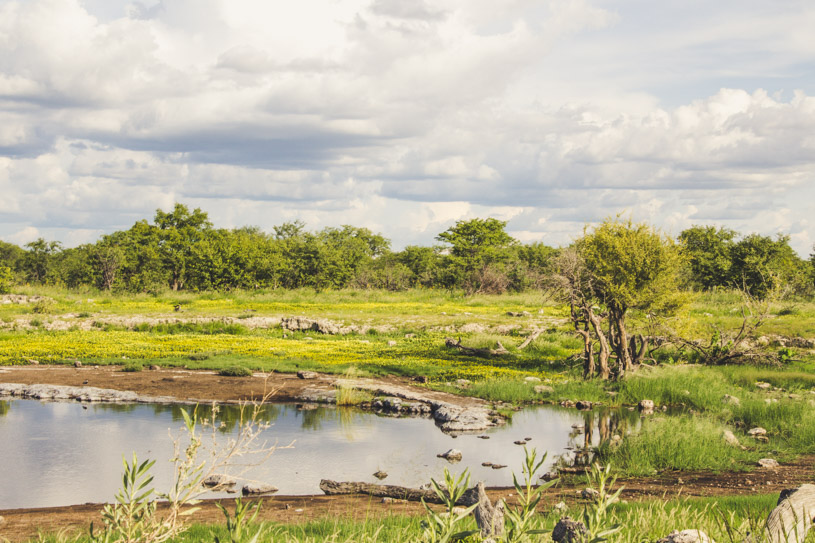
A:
686,536
305,324
81,394
258,489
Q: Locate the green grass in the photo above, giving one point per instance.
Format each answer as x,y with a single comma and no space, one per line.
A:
235,371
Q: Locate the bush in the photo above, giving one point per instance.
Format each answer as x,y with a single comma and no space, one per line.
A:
235,371
132,367
6,279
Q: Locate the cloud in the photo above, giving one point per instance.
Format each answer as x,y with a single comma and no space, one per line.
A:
406,117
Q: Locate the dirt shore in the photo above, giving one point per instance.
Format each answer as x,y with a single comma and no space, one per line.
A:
21,524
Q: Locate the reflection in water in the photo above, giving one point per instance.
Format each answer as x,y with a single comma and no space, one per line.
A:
4,407
63,453
600,427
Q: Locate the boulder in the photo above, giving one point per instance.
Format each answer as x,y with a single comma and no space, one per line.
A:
258,489
730,438
569,531
218,480
763,386
307,374
304,324
391,343
646,406
686,536
583,405
757,431
730,400
771,463
380,474
531,379
452,455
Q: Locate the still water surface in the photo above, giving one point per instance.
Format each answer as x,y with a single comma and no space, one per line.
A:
63,453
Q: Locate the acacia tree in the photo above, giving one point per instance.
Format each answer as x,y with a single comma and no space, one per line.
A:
617,267
475,244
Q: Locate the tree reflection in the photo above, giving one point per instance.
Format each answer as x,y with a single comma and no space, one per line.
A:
5,407
600,427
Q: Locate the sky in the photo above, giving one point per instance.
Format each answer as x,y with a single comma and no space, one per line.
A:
405,116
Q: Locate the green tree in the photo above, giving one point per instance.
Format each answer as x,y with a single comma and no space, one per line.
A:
474,245
762,265
709,253
6,279
38,260
11,256
632,267
179,230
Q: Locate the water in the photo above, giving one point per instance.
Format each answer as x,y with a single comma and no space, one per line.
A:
65,453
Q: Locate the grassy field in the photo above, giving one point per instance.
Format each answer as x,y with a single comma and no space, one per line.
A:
405,335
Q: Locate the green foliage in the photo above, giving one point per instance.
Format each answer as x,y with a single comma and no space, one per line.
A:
132,519
236,524
474,245
6,279
633,266
444,528
235,371
708,251
520,520
133,367
596,516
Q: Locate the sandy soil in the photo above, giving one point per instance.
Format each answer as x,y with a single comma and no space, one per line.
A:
20,524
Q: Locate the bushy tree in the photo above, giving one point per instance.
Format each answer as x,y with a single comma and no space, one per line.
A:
762,264
38,260
474,245
631,266
709,254
6,279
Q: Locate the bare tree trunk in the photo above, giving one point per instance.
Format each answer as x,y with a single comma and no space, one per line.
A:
334,488
621,342
602,357
638,354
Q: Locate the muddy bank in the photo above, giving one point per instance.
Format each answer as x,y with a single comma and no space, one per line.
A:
110,384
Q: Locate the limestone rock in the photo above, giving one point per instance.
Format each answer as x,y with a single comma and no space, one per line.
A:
583,405
380,474
757,431
771,463
569,531
686,536
730,400
452,455
218,480
307,374
730,438
304,324
258,489
763,386
646,406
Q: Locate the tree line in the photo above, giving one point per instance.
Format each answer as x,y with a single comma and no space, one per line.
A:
182,250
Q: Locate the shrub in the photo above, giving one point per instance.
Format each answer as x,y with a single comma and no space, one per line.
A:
132,367
6,279
235,371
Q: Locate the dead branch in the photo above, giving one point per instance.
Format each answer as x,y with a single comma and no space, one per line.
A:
532,337
335,488
472,351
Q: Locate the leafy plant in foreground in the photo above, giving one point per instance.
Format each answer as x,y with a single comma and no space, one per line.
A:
441,527
236,524
520,519
596,515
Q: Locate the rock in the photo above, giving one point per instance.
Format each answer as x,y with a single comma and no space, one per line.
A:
452,455
544,389
483,436
498,466
218,480
77,364
391,343
583,405
531,379
686,536
560,507
730,438
763,341
386,499
771,463
520,442
380,475
730,400
757,431
258,489
567,403
154,367
646,406
307,374
486,464
462,382
410,336
569,531
456,419
589,494
801,343
763,386
304,324
34,362
549,476
421,379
